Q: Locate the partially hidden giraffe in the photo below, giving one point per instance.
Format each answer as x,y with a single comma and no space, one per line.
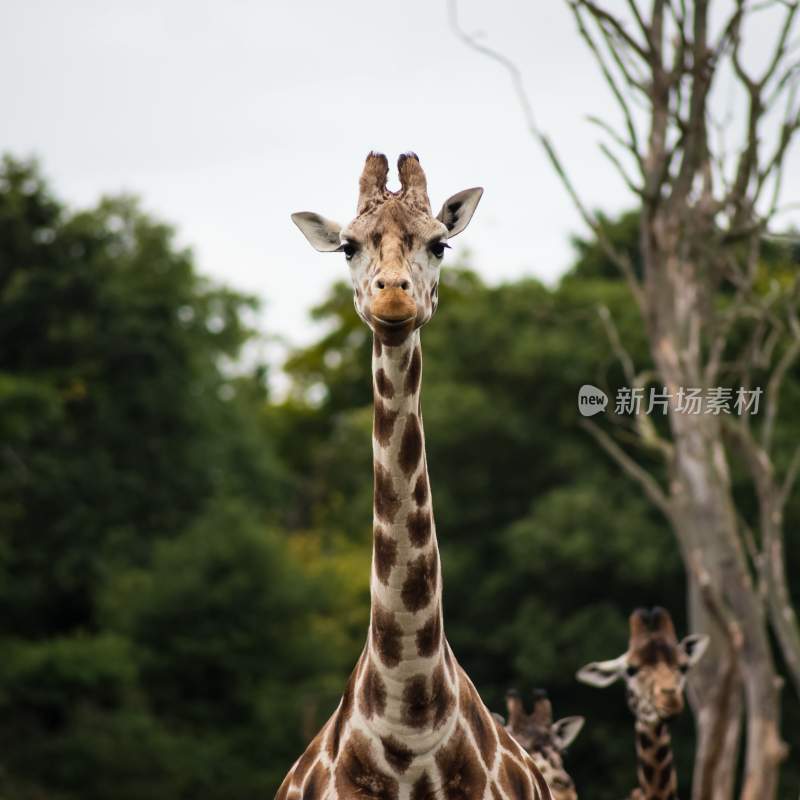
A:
654,669
544,740
410,724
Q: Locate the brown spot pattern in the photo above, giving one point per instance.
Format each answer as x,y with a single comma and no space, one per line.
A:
387,634
396,754
308,758
422,788
420,581
384,554
429,636
418,524
284,787
462,776
382,383
357,774
480,722
515,782
416,702
317,782
443,699
665,776
544,789
372,698
448,660
383,423
410,445
505,739
414,372
385,500
342,715
421,489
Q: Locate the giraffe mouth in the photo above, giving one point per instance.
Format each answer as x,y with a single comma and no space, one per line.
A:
669,713
393,323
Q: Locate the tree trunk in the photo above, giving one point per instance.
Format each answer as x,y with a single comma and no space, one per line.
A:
705,523
715,695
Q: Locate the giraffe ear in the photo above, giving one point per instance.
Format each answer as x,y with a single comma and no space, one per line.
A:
457,210
565,731
323,234
694,646
602,673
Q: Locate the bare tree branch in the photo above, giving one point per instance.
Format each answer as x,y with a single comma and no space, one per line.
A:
650,486
702,224
790,477
633,139
620,259
786,360
623,356
614,24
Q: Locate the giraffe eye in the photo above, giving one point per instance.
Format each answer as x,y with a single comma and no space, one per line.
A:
631,670
437,248
349,249
684,668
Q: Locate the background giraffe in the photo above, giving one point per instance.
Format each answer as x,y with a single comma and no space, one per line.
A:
410,723
544,740
654,670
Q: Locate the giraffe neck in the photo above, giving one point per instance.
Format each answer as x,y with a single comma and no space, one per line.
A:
656,767
406,646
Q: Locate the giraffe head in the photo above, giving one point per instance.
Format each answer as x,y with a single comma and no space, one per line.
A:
546,741
654,667
394,246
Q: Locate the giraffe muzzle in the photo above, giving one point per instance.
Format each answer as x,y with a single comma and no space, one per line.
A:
393,307
670,707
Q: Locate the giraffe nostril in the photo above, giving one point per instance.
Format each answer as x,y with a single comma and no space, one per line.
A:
405,285
380,284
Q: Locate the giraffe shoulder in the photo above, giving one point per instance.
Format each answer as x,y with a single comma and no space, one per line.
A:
294,784
283,789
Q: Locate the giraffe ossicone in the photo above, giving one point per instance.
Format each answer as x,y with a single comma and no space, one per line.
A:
410,724
544,740
654,669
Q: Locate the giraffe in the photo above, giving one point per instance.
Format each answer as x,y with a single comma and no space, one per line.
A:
410,724
544,740
654,669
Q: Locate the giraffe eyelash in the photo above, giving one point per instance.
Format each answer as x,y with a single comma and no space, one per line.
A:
349,249
438,248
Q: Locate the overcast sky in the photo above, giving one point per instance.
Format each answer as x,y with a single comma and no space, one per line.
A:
227,116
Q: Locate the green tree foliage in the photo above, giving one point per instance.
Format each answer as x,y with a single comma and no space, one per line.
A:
184,560
151,615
